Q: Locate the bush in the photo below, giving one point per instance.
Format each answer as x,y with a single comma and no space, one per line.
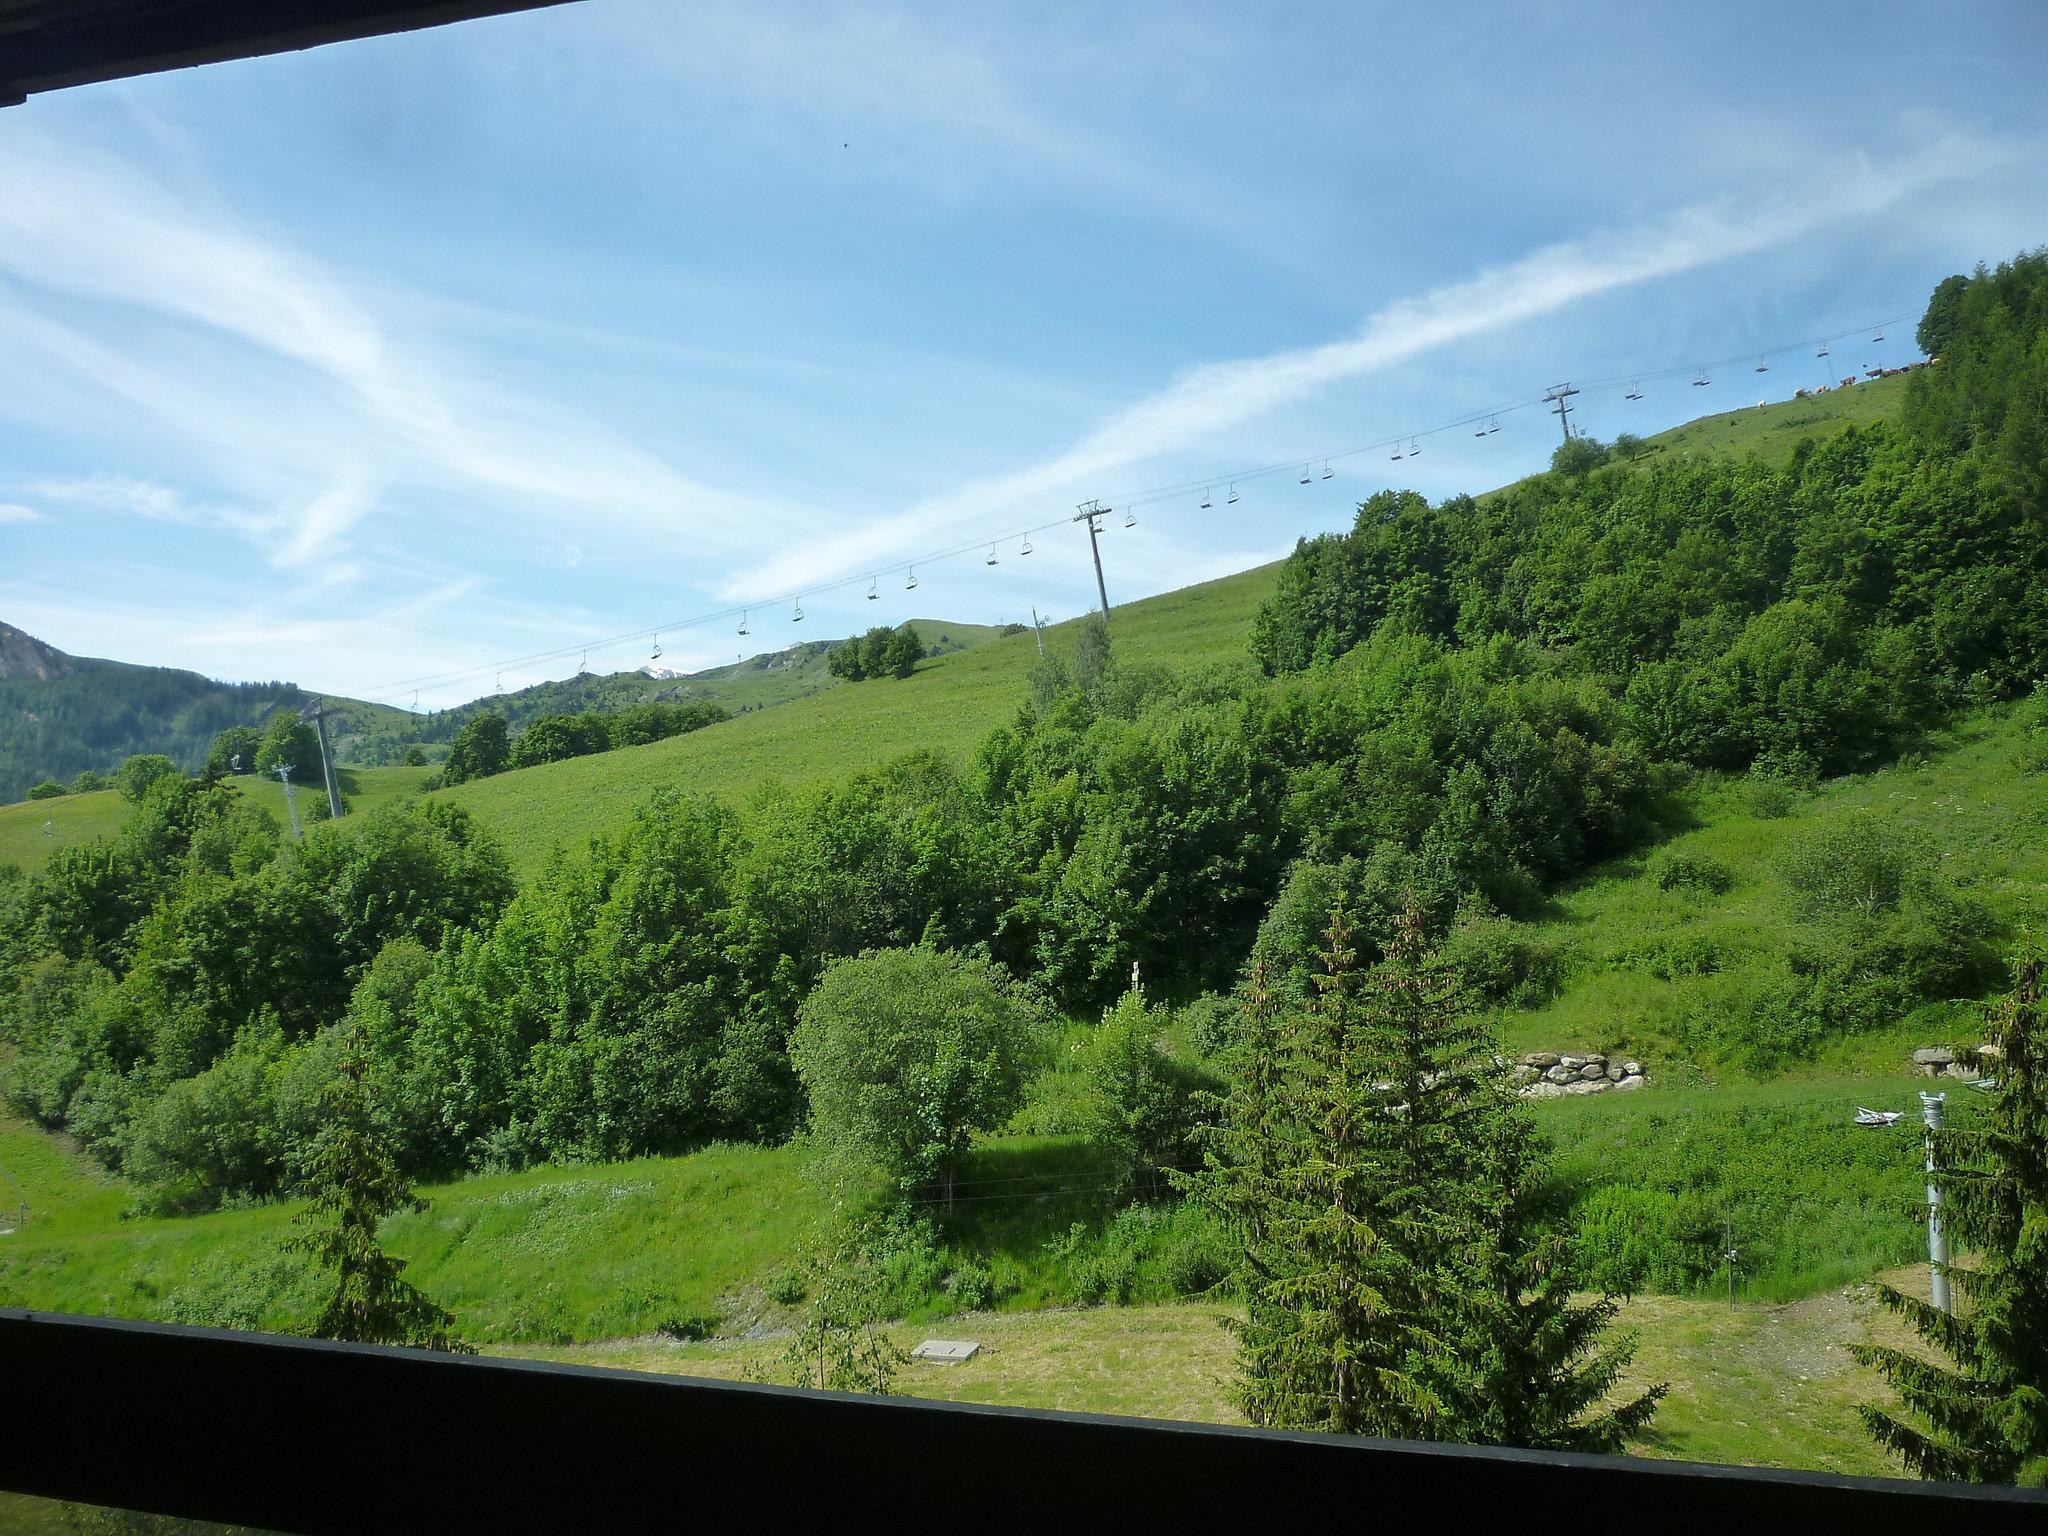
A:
1678,870
689,1327
1768,796
1143,1100
906,1053
788,1286
1854,864
49,789
1498,960
134,777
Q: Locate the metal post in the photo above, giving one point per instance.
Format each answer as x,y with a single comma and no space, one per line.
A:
1088,514
1937,1239
319,719
291,799
1038,629
1562,409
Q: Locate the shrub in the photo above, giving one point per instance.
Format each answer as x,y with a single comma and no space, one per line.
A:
49,789
1678,870
1144,1101
906,1053
788,1286
1768,796
134,777
689,1327
1854,864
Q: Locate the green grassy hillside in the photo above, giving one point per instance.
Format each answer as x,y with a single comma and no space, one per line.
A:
946,706
1663,972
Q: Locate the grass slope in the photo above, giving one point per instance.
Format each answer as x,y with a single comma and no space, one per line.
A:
34,829
1646,968
1754,1384
946,706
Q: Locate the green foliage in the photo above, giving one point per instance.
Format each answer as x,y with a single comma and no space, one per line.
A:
415,756
881,652
86,782
1679,870
1937,326
837,1346
1143,1099
905,1053
1981,1415
49,789
134,777
1401,1273
235,750
1578,456
552,738
479,750
355,1183
290,743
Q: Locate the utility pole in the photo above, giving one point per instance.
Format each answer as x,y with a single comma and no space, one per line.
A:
1038,630
318,715
1088,513
1560,399
291,799
1937,1239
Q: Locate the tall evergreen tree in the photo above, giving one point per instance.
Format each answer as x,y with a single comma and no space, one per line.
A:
1541,1371
1985,1418
356,1183
1401,1273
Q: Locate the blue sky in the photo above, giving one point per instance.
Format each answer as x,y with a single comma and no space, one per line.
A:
406,358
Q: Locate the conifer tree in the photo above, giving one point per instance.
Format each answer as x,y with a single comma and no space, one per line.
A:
356,1182
1985,1418
1540,1370
1401,1274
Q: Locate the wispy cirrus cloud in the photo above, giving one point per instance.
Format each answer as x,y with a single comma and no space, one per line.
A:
15,512
1208,400
363,405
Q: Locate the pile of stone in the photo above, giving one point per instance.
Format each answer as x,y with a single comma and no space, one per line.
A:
1969,1064
1555,1075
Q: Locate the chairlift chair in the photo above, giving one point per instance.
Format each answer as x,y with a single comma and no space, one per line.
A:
798,616
1397,455
1880,334
1762,366
1206,503
1480,430
1130,518
911,584
1304,474
1635,391
1702,381
1231,499
991,560
1414,447
1493,425
743,622
657,649
1025,549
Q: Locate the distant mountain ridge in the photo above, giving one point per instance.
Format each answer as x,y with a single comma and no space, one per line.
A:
61,715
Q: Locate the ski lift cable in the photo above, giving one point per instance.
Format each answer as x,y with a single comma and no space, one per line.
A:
1126,503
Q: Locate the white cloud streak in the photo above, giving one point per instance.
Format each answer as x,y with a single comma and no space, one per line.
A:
1211,399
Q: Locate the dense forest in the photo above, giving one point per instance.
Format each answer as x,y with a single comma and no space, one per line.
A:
65,715
1454,708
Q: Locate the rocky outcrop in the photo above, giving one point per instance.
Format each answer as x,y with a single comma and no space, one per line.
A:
1969,1064
1574,1075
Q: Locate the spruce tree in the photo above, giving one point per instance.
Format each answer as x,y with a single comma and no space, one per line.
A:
1539,1371
1401,1274
356,1182
1984,1419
